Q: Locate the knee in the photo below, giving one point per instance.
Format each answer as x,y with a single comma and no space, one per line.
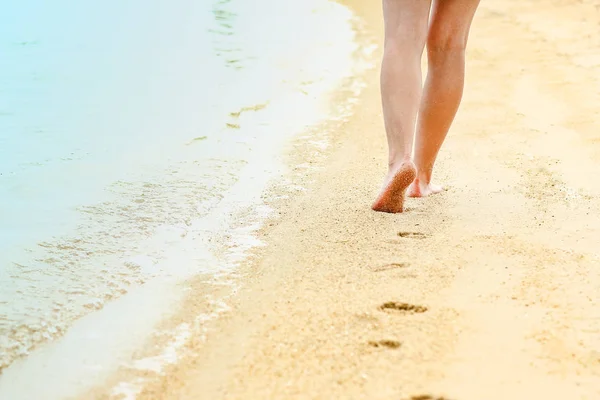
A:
409,44
406,38
445,39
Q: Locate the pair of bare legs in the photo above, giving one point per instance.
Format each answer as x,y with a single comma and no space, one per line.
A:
411,111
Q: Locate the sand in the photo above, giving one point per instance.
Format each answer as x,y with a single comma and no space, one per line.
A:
486,291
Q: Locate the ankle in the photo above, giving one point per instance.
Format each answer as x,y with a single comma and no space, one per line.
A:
422,179
394,164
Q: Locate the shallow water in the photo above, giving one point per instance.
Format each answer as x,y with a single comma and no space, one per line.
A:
123,123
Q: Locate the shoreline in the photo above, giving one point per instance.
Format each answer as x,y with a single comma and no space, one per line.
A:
109,336
485,291
225,227
303,157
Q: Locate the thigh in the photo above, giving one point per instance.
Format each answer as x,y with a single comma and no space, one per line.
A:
451,22
406,22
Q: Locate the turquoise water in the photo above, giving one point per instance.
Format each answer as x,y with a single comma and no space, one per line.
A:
122,122
82,87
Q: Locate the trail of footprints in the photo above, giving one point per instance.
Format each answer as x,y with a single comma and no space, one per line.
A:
396,307
393,306
401,308
394,265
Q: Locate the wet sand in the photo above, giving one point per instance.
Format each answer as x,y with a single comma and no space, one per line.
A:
486,291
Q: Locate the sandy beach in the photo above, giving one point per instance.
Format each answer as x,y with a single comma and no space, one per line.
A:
488,290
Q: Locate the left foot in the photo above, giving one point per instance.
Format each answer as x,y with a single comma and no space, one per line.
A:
420,189
391,198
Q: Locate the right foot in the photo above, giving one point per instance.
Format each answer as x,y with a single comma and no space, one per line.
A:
420,189
391,198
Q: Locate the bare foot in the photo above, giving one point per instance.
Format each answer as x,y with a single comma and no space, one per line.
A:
420,189
391,198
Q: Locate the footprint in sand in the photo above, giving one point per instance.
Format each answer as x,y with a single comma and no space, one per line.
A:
390,344
403,307
390,266
412,235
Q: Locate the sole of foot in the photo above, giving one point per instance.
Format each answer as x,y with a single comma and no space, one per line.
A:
391,197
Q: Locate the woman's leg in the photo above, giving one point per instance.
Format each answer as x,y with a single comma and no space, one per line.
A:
446,43
406,29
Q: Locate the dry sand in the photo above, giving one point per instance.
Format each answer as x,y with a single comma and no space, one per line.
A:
487,291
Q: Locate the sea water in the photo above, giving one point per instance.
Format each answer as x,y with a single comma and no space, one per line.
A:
123,123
